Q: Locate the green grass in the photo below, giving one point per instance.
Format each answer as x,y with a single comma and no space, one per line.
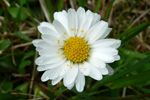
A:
18,27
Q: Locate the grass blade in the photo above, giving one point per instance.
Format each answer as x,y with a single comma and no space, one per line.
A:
60,5
133,29
50,8
81,3
132,68
97,6
133,54
109,9
131,80
135,32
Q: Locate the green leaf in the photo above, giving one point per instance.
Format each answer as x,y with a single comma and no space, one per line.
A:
23,65
38,91
23,36
82,3
22,2
22,88
25,62
4,44
15,10
6,63
97,6
7,96
7,86
131,80
29,54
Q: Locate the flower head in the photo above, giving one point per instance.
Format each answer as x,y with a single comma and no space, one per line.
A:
74,47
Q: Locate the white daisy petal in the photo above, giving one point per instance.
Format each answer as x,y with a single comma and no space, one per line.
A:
96,18
88,20
95,73
104,71
87,37
70,86
108,30
70,76
49,38
97,62
85,68
117,57
87,24
54,73
65,13
65,67
47,28
104,57
62,18
61,29
56,80
45,76
97,32
39,49
50,50
39,60
43,44
72,22
81,20
53,40
48,53
35,42
47,60
50,66
80,82
105,50
110,70
107,43
50,74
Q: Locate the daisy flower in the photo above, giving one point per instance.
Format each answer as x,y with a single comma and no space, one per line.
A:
73,47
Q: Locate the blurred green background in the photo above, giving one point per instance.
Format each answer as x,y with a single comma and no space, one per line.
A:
19,79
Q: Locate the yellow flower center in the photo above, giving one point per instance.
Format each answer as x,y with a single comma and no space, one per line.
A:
76,49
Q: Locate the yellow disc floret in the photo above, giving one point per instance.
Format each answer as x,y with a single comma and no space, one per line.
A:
76,49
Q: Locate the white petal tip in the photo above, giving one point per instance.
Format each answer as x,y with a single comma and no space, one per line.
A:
35,42
53,83
100,77
117,57
44,79
80,90
69,88
118,42
110,70
40,69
